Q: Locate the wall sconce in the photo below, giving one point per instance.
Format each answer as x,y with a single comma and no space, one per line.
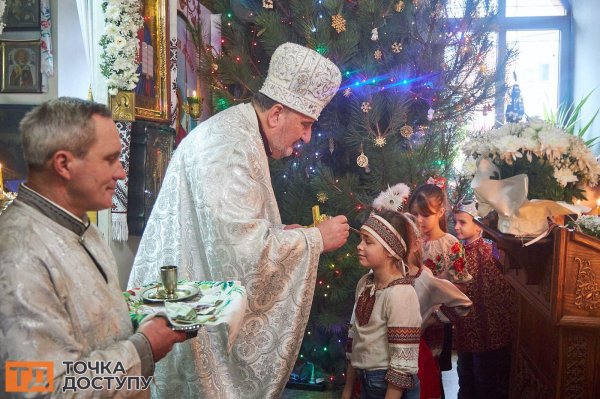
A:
194,106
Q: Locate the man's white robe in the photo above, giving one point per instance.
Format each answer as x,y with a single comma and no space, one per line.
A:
216,218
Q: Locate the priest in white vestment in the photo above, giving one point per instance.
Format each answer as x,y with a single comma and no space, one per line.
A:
216,218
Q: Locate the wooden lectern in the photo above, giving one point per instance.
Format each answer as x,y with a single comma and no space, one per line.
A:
556,353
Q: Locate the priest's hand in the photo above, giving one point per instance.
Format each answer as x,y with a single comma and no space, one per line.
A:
334,232
160,336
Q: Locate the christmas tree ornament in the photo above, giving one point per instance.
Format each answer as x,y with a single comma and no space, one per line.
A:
331,145
366,107
380,141
399,6
338,23
374,34
267,3
347,92
396,47
322,197
362,159
377,54
215,67
406,131
430,114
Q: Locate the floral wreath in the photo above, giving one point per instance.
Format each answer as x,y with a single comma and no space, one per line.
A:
120,44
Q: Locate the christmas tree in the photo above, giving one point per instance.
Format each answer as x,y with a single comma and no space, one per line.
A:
414,73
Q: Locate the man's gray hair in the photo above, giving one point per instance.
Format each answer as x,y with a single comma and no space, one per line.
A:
64,123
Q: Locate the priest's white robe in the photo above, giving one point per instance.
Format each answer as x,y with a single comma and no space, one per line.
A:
216,218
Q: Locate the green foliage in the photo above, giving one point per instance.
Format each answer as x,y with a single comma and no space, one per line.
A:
568,116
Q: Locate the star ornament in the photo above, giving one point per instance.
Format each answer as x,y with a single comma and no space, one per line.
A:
377,54
322,197
380,141
347,92
396,47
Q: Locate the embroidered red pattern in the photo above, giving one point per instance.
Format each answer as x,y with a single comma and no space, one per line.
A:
404,335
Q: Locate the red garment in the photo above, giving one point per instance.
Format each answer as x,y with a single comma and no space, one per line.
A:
429,373
489,325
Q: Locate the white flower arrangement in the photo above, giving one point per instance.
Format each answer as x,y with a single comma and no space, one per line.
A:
2,8
558,164
120,44
588,224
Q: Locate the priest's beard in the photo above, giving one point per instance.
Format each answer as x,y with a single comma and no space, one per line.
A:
280,150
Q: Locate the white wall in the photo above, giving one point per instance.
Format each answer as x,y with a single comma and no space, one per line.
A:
586,77
71,65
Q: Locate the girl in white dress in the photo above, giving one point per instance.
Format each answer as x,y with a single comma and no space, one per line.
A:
442,253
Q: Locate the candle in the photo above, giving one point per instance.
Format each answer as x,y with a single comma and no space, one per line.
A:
316,214
596,210
194,93
1,182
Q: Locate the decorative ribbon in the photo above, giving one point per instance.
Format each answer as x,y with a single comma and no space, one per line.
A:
47,61
508,197
120,231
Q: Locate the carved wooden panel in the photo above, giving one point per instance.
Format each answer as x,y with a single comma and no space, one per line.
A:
576,280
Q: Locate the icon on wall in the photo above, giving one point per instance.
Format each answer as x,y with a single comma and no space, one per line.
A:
22,15
21,67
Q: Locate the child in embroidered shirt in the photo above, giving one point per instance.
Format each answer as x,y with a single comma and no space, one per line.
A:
483,337
385,328
443,254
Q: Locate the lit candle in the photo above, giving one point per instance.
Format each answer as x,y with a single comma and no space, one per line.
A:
194,93
596,210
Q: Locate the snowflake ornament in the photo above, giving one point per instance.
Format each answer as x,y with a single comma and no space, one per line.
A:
366,107
377,54
267,3
380,141
347,92
406,131
396,47
322,197
338,23
394,198
374,34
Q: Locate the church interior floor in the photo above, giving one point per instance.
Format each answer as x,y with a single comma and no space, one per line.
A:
449,379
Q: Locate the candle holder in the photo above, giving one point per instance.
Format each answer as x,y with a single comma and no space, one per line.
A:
194,106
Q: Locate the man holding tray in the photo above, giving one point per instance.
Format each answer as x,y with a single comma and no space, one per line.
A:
61,303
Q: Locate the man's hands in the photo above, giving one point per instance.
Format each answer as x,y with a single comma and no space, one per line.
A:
160,336
334,232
